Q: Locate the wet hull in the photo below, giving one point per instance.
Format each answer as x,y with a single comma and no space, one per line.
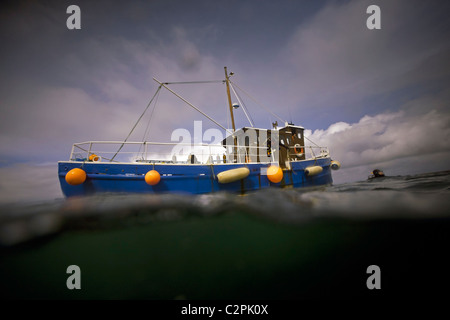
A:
185,178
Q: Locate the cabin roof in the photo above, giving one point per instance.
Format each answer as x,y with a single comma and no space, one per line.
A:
291,126
243,130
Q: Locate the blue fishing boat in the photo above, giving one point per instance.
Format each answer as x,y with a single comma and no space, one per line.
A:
247,159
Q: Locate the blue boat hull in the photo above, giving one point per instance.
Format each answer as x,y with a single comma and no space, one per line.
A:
185,178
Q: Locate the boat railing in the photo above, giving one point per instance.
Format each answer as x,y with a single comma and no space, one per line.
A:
180,153
308,152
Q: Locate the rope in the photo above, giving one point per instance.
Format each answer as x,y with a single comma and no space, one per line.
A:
148,105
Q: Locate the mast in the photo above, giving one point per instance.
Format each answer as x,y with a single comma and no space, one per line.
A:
227,80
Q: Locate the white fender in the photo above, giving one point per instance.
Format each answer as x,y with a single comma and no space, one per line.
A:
312,171
335,165
233,175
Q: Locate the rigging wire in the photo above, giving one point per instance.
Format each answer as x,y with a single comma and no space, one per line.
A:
246,109
311,141
273,114
149,120
164,84
191,105
194,82
243,106
254,100
134,127
151,116
228,116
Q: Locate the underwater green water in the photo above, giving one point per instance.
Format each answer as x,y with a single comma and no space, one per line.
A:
294,245
232,257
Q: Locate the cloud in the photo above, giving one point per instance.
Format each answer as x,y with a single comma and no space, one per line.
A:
394,140
336,63
98,90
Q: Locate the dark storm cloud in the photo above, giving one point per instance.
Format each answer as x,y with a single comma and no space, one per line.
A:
346,70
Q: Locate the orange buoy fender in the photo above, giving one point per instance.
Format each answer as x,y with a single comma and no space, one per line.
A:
274,174
233,175
75,176
314,170
94,158
152,177
335,165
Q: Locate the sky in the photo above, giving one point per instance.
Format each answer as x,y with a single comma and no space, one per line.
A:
376,98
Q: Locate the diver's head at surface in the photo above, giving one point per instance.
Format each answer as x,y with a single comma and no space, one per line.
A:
378,173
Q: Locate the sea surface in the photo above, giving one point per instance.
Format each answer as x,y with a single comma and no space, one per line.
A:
280,244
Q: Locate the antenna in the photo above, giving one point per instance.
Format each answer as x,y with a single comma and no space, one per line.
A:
290,114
